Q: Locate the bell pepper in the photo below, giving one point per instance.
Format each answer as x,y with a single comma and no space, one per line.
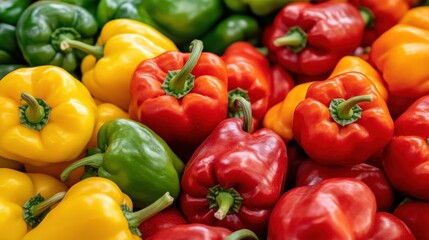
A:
174,92
121,46
135,158
257,7
11,10
95,209
279,117
90,5
45,24
309,39
9,49
165,219
388,226
202,232
281,84
233,28
406,156
415,214
180,20
336,208
295,156
311,173
22,201
342,120
248,76
47,112
235,177
394,53
417,17
357,64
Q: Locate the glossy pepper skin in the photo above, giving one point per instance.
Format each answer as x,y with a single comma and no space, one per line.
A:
233,28
90,5
234,178
9,49
195,19
197,231
121,46
173,92
311,173
11,10
19,200
281,84
95,209
342,120
415,214
42,27
249,76
388,226
257,7
279,117
165,219
406,157
309,39
136,159
328,210
47,112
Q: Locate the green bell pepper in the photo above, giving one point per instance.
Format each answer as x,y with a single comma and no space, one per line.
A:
90,5
45,24
9,49
11,10
181,20
7,68
136,159
232,29
257,7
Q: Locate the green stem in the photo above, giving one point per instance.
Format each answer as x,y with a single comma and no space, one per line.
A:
242,234
347,111
35,209
367,17
239,106
95,161
136,218
295,39
225,200
34,113
179,83
97,51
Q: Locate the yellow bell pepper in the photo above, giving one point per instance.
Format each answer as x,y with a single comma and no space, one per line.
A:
18,189
47,115
417,17
95,209
279,117
121,46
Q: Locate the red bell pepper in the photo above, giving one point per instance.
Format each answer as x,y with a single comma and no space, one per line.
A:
309,39
249,76
234,178
199,231
295,155
311,173
415,214
281,83
173,92
336,208
388,226
406,160
342,120
165,219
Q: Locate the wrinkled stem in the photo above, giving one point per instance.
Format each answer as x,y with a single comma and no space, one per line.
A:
295,39
97,51
94,161
34,113
242,234
344,109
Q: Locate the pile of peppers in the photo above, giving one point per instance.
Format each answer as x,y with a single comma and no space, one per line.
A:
214,119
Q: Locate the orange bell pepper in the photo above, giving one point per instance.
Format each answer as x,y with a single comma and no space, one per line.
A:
357,64
417,17
279,117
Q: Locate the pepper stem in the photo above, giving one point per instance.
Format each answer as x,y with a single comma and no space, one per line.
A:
35,209
242,234
367,17
347,111
178,83
94,161
239,106
295,39
225,200
136,218
97,51
35,113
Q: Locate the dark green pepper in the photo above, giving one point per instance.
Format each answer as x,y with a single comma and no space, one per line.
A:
257,7
136,159
90,5
181,20
45,24
7,68
9,49
11,10
232,29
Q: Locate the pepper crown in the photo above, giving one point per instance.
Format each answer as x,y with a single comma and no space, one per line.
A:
36,208
226,200
34,114
345,112
295,39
